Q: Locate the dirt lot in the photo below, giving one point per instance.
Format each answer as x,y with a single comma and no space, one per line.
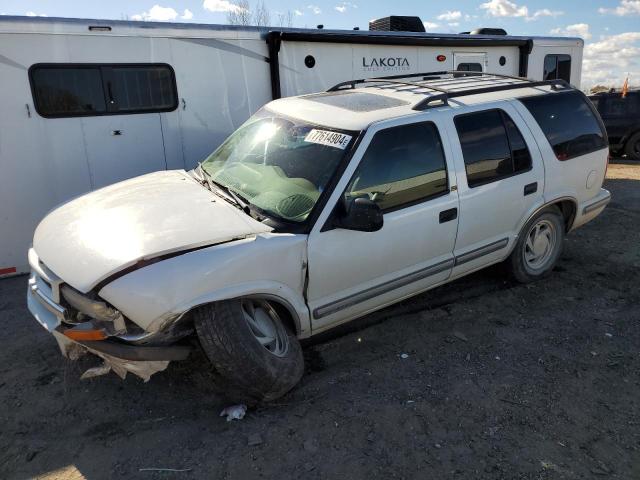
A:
501,381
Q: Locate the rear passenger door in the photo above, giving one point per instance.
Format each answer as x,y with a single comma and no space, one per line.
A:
500,180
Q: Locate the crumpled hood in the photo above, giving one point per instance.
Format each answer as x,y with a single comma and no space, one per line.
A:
94,236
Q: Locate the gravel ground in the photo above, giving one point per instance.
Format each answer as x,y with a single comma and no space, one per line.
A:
499,381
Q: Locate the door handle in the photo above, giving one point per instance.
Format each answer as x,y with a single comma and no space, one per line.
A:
116,132
448,215
531,188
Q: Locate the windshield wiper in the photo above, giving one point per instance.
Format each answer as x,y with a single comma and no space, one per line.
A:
213,185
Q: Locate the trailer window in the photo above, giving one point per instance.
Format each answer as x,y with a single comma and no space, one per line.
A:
143,88
68,91
557,67
72,90
467,67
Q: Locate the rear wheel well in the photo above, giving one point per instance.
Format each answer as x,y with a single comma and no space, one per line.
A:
568,209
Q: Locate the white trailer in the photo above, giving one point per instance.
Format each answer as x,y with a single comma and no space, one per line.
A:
86,103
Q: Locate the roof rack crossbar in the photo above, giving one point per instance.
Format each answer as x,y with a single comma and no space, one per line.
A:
558,84
389,80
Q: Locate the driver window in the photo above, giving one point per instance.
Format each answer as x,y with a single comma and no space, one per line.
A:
402,166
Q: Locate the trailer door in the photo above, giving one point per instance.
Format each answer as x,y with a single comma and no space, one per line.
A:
119,108
123,146
470,61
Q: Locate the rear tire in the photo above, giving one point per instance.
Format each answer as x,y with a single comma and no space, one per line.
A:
255,356
632,147
539,246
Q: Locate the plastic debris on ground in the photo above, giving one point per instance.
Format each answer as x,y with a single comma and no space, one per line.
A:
234,412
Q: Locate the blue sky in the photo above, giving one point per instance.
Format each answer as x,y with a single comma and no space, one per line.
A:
611,28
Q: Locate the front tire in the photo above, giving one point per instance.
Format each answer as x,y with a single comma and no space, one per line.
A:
539,246
255,356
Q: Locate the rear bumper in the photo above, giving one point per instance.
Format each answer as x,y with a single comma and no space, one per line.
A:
602,200
590,209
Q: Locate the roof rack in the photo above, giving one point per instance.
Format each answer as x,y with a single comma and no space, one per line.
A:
443,95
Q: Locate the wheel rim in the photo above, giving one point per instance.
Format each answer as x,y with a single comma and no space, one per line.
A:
265,325
540,245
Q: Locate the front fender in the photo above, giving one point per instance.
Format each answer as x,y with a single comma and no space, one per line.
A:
271,265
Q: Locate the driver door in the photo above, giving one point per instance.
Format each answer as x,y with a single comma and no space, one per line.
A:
404,169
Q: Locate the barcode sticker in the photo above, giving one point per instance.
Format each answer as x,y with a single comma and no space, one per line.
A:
328,138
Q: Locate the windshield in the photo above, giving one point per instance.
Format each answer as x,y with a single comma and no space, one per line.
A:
279,165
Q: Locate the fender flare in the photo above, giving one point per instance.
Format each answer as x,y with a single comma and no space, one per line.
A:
277,292
539,208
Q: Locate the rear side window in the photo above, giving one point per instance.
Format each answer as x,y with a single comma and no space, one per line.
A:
557,67
63,90
492,146
402,166
569,122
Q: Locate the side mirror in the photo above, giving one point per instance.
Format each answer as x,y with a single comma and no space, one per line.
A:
360,214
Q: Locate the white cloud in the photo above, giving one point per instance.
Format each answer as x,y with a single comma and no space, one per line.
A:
344,6
430,26
545,12
626,7
450,15
34,14
576,30
221,6
298,13
504,8
315,9
454,24
162,14
157,14
609,60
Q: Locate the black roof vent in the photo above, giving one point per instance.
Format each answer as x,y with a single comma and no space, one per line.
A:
489,31
396,23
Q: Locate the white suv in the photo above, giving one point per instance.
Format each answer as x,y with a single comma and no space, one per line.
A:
319,209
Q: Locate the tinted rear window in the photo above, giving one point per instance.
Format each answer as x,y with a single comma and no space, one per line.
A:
569,123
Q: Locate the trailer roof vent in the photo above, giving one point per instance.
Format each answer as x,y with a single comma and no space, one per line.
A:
489,31
397,24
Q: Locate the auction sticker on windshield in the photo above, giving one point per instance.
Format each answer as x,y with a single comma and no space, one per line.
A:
328,138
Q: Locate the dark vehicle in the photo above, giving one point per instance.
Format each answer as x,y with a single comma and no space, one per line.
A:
621,117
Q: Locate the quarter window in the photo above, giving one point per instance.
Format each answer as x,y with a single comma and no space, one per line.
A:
61,90
492,146
402,166
569,122
557,67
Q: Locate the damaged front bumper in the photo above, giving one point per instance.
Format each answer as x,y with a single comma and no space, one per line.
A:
45,302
